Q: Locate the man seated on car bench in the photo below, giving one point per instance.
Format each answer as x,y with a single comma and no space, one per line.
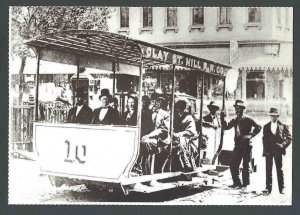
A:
159,138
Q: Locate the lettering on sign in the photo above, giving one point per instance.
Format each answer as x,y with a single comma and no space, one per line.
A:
75,152
180,60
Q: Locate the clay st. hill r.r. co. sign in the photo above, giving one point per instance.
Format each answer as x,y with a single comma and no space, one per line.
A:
180,60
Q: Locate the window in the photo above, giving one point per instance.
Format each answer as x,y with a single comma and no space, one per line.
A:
197,19
198,16
124,17
278,12
224,18
225,15
254,15
254,18
171,19
287,18
255,85
147,17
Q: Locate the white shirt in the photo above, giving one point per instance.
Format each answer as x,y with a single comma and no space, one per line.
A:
102,113
215,121
78,109
274,127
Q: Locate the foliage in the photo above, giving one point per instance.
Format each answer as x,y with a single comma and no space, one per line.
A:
31,21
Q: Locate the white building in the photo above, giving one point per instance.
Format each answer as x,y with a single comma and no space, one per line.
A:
260,39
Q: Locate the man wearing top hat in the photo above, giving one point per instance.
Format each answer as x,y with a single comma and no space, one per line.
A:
81,113
276,138
245,129
105,114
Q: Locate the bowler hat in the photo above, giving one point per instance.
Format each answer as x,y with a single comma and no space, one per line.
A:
239,103
273,112
212,104
104,92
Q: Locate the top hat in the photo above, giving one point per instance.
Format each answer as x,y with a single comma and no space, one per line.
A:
212,104
80,92
104,92
239,103
273,112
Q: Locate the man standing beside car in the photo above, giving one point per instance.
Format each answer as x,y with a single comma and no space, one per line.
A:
245,129
276,138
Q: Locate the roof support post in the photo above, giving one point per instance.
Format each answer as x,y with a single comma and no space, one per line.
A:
222,130
114,77
77,77
201,116
172,116
37,84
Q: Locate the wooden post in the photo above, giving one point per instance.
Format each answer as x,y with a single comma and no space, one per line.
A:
114,77
172,116
200,120
37,85
222,130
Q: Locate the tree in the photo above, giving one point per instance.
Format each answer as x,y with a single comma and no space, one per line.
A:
31,21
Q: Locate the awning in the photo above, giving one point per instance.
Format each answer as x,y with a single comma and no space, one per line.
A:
94,47
272,63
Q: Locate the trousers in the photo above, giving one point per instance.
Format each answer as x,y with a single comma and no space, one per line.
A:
241,153
269,166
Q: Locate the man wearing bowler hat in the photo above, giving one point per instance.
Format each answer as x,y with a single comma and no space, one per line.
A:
211,120
276,138
245,129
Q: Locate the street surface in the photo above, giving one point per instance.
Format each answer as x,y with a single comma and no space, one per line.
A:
27,186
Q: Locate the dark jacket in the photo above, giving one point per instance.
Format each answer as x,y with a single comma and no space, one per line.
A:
208,120
185,125
84,116
132,120
276,144
110,118
247,126
147,124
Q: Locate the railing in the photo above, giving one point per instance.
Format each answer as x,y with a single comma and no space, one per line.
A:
22,119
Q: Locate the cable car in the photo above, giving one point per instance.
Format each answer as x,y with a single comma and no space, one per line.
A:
99,155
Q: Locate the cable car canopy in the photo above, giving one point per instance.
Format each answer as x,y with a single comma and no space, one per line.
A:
121,49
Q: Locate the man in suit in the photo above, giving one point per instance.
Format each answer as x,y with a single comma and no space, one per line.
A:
211,120
105,115
146,123
184,130
81,113
152,143
245,129
130,116
276,138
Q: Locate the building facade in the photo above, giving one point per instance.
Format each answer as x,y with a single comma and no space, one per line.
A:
257,41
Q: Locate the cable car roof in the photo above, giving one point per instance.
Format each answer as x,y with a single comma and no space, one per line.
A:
122,49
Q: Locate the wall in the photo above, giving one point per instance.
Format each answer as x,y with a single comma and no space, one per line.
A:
210,34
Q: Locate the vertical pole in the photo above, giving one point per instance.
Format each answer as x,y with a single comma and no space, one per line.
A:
37,85
222,130
200,120
139,113
77,81
114,76
172,116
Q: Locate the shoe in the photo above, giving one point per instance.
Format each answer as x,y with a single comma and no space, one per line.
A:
239,186
267,190
282,191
